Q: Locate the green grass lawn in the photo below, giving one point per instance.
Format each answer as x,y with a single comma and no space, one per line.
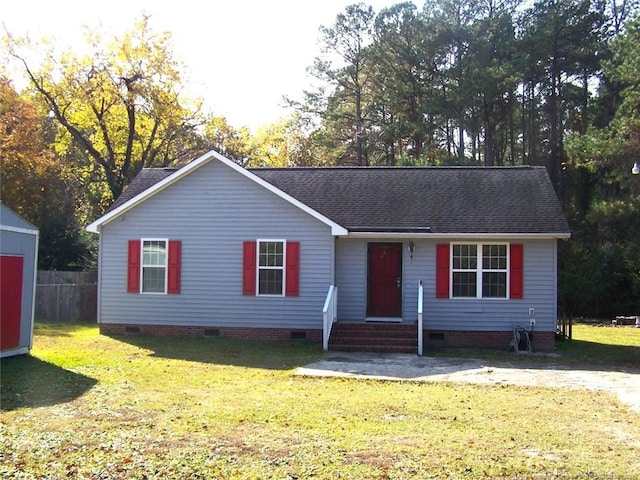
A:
86,406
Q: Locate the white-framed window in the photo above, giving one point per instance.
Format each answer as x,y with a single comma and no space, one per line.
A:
153,271
271,267
479,270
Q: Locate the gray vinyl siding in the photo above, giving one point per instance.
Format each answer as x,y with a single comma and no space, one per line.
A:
212,211
351,278
540,286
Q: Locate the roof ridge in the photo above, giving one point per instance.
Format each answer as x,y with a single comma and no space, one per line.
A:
166,169
402,167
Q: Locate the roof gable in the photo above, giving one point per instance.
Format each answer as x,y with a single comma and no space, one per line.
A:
151,181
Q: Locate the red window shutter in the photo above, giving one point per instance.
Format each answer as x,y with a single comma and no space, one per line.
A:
516,274
133,267
293,269
442,270
173,274
249,268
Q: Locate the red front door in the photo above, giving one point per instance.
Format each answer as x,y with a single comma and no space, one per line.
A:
384,292
10,301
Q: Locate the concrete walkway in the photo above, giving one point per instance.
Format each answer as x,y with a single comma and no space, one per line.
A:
409,367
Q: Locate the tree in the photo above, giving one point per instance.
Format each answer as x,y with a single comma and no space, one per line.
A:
346,42
403,77
119,108
601,265
233,143
560,39
33,182
451,22
284,144
616,13
492,76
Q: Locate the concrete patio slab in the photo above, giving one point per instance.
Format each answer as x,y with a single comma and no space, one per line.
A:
408,367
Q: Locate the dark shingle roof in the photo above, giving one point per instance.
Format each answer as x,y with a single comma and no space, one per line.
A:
147,178
445,199
467,200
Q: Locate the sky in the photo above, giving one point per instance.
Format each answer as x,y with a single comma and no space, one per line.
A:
241,56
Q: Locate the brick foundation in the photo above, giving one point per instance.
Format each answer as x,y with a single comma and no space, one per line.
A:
540,341
433,339
312,335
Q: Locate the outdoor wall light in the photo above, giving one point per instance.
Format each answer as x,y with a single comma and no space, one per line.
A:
636,168
412,249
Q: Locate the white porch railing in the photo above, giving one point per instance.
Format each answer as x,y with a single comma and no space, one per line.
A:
329,315
420,304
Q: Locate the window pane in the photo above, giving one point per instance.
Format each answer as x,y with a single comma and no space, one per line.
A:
271,254
502,257
262,254
494,284
464,284
456,256
494,257
153,280
465,257
270,282
154,252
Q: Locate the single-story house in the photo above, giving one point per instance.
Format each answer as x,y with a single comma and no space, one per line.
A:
376,258
18,268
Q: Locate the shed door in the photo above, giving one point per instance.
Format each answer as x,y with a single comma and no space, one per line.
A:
384,280
10,301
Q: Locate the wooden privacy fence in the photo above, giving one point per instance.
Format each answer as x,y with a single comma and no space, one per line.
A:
66,296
